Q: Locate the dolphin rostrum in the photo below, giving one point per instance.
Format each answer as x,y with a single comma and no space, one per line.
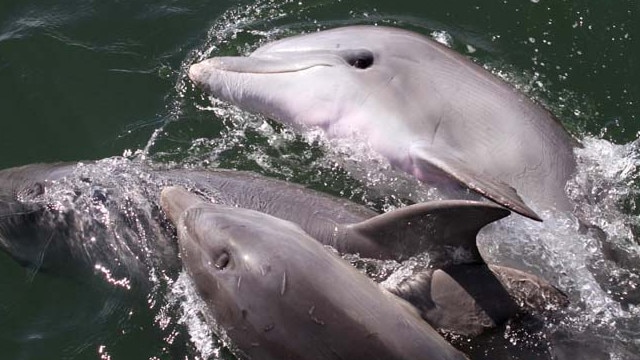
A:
430,111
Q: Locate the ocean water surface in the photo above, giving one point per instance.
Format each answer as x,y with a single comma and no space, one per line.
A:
88,80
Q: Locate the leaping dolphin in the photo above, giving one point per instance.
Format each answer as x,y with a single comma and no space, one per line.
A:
430,111
279,294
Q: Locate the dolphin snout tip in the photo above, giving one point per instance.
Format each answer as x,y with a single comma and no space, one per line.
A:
195,72
175,200
167,195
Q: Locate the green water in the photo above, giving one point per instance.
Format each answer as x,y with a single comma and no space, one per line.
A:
89,79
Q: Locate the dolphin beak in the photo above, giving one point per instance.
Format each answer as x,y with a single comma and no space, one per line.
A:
196,72
271,64
174,200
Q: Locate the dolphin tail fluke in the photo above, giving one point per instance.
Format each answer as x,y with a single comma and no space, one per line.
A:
493,189
438,227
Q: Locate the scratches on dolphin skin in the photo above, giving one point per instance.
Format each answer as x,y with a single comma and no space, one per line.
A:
265,269
228,87
269,327
313,318
390,79
382,86
40,261
372,335
335,353
283,285
29,212
239,282
435,130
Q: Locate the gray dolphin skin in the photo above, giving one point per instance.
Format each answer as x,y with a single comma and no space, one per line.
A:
47,211
76,219
429,110
104,217
279,294
460,293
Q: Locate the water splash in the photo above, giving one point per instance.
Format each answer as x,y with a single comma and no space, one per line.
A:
208,338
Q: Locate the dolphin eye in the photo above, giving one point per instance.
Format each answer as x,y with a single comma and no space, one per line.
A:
360,60
222,260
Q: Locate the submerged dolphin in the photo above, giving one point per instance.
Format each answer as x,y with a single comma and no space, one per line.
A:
430,111
49,214
104,217
77,219
105,214
279,294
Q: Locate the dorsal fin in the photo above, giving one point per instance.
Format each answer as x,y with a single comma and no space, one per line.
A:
446,229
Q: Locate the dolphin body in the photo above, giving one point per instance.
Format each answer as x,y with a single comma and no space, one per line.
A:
103,217
76,219
460,293
50,212
279,294
430,111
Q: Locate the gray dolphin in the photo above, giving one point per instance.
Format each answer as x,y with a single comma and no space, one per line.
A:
47,211
103,217
50,212
279,294
82,218
430,111
460,293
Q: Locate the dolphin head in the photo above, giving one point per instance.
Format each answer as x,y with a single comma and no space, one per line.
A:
27,227
317,79
427,109
234,257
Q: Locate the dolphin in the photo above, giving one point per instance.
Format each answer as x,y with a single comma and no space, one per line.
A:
75,219
103,217
49,214
429,110
279,294
459,293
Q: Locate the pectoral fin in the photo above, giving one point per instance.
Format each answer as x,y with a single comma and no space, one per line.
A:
446,229
468,299
493,189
